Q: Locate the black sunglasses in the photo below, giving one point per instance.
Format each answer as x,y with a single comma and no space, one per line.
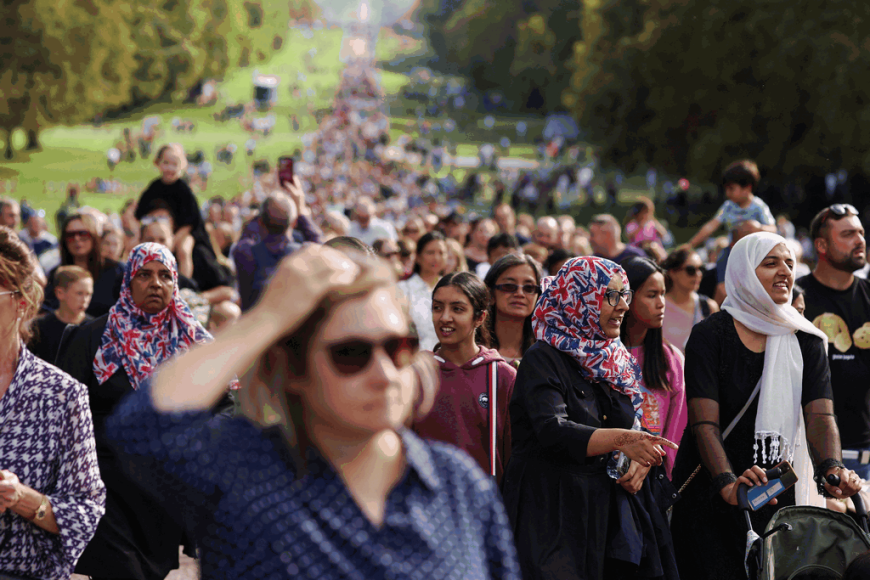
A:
691,270
353,356
73,234
613,296
511,288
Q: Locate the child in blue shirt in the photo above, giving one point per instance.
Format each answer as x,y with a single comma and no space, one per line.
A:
742,214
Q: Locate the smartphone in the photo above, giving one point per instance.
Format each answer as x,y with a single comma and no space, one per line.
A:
759,496
285,169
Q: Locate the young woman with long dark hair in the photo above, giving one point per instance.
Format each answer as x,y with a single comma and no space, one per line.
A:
683,273
463,410
428,269
664,402
514,282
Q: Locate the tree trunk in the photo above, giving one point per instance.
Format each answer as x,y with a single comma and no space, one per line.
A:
9,152
32,140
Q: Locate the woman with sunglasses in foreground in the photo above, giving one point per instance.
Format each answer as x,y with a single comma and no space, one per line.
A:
514,283
471,407
577,511
686,307
319,478
80,246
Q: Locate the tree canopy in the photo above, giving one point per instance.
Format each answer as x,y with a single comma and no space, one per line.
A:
65,62
691,86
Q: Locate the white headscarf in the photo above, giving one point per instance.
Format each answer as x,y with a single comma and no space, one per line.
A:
779,419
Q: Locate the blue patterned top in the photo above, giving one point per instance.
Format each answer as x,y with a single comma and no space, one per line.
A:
47,441
252,519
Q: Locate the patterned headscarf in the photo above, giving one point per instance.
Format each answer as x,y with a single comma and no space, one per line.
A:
567,317
137,341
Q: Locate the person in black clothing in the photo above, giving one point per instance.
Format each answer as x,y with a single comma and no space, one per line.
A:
73,289
761,367
80,247
113,356
838,303
577,399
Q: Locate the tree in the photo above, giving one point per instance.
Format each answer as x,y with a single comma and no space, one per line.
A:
692,86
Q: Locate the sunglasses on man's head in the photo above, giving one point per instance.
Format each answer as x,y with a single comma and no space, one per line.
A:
511,288
839,210
148,220
71,235
353,356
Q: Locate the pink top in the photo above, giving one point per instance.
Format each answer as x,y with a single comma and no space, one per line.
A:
637,233
665,413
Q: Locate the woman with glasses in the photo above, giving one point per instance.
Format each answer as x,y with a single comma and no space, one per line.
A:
319,478
80,246
51,494
686,307
578,510
514,283
464,406
113,356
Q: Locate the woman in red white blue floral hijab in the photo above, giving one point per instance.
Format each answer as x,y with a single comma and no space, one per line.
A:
576,402
149,323
114,355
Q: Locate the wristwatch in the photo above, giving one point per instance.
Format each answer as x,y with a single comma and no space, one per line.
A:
42,510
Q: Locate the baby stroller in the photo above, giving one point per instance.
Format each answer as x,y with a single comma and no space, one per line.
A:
804,542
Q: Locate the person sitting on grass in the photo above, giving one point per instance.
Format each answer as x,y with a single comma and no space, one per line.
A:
73,288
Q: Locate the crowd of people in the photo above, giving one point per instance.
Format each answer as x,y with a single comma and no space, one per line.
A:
342,376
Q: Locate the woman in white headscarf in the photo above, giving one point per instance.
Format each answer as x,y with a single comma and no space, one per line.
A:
758,352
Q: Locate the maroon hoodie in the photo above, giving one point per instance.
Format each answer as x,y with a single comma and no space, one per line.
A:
460,415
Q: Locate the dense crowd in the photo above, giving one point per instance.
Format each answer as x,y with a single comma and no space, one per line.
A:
346,376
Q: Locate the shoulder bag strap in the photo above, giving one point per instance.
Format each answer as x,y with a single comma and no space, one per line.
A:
492,388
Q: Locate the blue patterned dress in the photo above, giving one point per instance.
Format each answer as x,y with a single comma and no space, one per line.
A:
253,519
47,440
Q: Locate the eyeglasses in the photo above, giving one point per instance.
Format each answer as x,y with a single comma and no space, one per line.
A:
613,296
511,288
389,255
83,234
353,356
691,270
411,232
9,292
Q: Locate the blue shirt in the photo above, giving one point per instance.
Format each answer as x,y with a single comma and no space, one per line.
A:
236,487
732,215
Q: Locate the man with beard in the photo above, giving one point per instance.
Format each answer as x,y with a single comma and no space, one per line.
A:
838,303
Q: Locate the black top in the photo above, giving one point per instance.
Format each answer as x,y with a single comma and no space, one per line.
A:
208,273
136,538
181,201
107,289
844,315
570,519
709,534
46,338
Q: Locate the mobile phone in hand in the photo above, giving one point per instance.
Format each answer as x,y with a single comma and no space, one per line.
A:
285,169
760,495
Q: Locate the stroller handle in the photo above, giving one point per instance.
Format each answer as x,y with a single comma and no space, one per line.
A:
743,489
860,508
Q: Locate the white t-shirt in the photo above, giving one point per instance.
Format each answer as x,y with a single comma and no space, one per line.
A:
378,229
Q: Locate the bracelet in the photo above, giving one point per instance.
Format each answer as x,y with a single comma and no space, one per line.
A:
723,480
819,476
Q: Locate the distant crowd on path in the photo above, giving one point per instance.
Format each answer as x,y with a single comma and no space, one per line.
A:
343,376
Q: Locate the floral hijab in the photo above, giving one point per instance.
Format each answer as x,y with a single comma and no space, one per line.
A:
137,341
567,317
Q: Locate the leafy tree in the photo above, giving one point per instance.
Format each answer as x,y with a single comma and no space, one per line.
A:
690,86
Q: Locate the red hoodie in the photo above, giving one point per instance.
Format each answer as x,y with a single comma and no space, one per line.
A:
460,415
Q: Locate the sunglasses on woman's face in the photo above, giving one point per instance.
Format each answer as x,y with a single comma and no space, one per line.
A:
691,270
353,356
71,235
511,288
613,296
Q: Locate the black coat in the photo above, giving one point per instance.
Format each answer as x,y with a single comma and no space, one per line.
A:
136,538
570,519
